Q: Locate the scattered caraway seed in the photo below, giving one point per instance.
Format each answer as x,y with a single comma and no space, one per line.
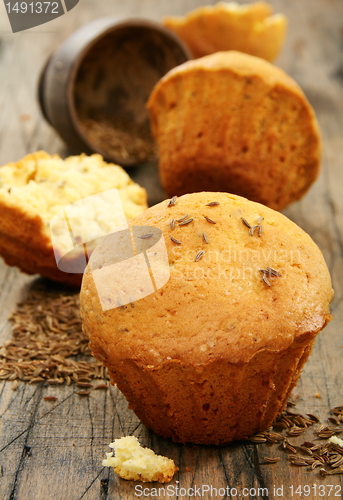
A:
172,201
272,460
336,461
205,237
186,221
199,255
299,462
83,393
213,204
182,218
334,420
312,417
86,385
145,236
265,279
290,448
325,472
305,449
50,398
327,431
296,431
55,381
274,436
292,401
35,380
47,344
272,272
257,439
327,455
174,240
252,229
172,224
245,222
209,220
316,463
269,272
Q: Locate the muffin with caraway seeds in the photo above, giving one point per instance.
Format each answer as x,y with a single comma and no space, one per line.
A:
213,355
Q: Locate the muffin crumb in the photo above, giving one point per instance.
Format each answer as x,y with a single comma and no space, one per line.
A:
336,440
132,461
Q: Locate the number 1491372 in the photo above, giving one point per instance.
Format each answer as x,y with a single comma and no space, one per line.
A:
33,7
316,490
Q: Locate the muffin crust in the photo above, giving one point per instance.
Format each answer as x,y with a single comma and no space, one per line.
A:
234,122
35,188
215,336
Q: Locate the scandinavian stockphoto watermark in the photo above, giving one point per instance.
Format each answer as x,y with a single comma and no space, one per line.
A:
232,264
31,13
132,262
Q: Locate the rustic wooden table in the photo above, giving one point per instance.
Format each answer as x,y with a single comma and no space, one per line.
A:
53,450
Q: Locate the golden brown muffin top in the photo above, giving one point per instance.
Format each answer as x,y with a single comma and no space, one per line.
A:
249,28
234,61
234,122
215,305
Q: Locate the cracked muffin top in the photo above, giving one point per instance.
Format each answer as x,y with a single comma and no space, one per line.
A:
243,278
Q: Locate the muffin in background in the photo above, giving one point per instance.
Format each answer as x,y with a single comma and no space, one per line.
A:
34,189
250,28
234,122
213,355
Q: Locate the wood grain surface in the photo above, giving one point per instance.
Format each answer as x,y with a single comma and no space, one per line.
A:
53,450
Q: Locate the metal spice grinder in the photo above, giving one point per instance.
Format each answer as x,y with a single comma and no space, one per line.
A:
94,87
